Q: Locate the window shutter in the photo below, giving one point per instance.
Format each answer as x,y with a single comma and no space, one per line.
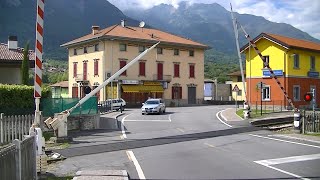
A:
142,68
180,93
74,69
176,70
84,70
122,64
192,71
96,67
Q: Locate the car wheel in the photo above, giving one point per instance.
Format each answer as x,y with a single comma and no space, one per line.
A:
142,113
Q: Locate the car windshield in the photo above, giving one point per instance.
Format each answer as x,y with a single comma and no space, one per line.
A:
152,102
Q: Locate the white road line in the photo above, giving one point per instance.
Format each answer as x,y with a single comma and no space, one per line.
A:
144,120
285,141
170,117
280,170
290,159
122,127
181,130
209,145
217,115
136,164
296,138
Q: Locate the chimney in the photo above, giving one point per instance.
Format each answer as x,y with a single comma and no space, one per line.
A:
13,42
95,29
123,23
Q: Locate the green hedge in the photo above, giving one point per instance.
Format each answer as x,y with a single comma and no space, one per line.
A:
19,99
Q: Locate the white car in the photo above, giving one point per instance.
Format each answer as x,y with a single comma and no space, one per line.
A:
118,103
153,106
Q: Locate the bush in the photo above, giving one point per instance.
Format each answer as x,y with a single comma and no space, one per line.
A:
19,99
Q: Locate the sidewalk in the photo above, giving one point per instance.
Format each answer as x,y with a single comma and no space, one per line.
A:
230,115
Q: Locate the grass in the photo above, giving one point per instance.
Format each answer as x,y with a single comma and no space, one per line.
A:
60,178
254,113
47,135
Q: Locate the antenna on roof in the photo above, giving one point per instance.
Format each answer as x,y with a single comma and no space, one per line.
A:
142,24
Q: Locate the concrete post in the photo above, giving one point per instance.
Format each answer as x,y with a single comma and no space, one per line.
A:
18,158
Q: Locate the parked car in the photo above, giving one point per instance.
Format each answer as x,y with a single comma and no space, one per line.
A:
153,106
118,103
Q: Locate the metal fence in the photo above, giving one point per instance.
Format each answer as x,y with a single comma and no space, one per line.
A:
14,127
268,106
50,106
310,122
18,160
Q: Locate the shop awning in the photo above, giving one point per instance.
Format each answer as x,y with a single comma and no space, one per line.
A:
141,88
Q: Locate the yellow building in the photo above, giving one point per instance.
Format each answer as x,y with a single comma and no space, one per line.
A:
237,85
173,70
295,62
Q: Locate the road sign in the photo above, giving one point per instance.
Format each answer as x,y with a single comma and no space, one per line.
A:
236,89
260,85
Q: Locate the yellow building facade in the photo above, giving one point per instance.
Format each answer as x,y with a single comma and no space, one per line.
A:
172,70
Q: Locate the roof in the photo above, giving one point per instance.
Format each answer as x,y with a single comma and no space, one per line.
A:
7,54
63,84
286,42
237,73
136,34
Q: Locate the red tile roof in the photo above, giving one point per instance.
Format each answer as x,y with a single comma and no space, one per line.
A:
287,42
7,54
137,34
64,84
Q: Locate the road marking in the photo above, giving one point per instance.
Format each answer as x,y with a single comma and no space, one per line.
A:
144,120
290,159
209,145
121,137
170,117
285,141
136,164
280,170
122,127
181,130
296,138
217,115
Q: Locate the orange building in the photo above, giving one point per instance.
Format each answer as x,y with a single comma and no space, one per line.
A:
295,62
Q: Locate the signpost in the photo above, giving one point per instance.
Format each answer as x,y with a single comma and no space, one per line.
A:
236,89
260,85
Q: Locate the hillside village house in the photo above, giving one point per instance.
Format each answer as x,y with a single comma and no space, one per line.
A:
60,89
11,57
173,70
295,62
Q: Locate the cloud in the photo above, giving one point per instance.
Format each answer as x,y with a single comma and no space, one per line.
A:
302,14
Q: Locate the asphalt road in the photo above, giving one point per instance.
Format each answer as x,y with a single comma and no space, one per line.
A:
192,143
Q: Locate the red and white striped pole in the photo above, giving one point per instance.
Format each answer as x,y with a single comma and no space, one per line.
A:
38,62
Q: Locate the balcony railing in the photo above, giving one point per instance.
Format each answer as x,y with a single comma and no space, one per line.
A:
166,78
81,77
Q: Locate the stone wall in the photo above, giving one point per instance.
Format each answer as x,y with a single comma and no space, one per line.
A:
83,122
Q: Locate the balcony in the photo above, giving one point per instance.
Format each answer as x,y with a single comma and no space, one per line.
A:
81,78
166,78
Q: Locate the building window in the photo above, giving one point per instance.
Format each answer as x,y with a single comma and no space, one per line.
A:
85,70
266,93
267,61
176,92
75,51
96,47
96,67
176,70
312,63
159,50
296,93
296,61
85,50
239,78
191,53
123,47
176,52
75,69
191,70
142,68
142,48
122,64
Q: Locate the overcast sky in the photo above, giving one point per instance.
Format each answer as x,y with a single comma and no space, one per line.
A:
302,14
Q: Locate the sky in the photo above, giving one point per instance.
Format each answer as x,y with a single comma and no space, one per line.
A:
302,14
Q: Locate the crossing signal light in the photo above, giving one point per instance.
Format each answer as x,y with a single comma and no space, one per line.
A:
308,97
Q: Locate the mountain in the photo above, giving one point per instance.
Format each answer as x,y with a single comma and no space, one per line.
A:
64,20
211,24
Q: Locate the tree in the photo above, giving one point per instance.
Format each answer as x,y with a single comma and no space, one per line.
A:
25,65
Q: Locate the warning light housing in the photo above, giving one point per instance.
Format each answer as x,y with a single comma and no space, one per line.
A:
308,97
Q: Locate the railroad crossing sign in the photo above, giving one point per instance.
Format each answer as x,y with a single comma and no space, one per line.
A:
236,88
